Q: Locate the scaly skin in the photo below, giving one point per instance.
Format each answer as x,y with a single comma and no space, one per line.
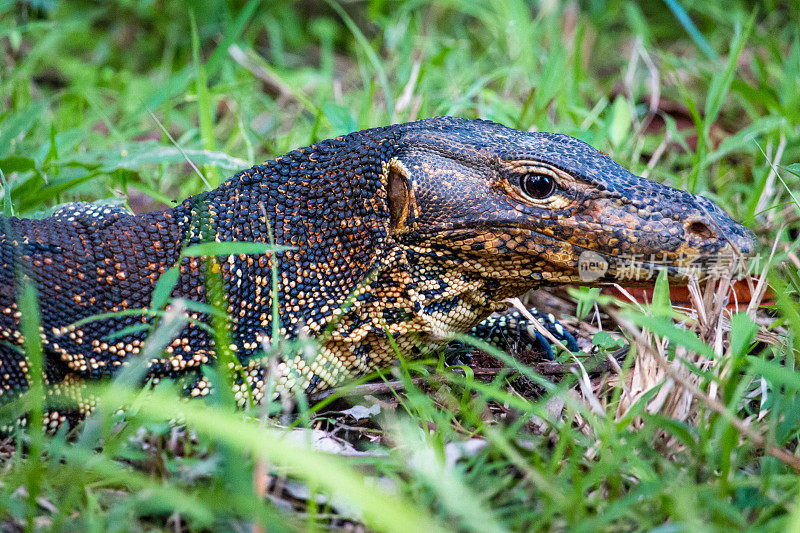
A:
425,225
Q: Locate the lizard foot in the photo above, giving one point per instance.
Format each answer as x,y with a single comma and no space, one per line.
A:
512,333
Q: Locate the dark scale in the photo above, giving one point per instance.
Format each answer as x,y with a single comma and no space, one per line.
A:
422,228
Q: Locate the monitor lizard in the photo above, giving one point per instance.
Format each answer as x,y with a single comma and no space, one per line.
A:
397,238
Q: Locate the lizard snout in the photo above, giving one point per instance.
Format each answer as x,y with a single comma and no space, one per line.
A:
744,241
717,225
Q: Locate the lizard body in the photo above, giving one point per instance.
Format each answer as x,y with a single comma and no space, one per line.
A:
419,230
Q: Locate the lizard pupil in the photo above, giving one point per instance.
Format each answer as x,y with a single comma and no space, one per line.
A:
538,186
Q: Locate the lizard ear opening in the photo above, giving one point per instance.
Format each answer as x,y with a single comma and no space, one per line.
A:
398,189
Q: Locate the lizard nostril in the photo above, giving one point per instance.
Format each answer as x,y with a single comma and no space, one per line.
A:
700,229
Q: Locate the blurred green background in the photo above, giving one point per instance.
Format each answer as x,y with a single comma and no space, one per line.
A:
87,86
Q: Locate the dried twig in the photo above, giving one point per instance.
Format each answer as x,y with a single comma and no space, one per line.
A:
715,405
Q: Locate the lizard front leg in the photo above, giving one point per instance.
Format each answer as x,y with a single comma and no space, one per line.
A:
512,332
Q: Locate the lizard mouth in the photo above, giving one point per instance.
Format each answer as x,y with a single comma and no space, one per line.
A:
572,263
709,249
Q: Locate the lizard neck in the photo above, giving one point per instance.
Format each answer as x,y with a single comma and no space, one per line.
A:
328,203
458,291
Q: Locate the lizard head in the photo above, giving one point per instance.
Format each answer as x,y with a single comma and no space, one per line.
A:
547,208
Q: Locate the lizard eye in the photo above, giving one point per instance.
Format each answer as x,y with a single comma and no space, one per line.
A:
537,186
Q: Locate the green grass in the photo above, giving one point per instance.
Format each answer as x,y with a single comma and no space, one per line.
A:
109,100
